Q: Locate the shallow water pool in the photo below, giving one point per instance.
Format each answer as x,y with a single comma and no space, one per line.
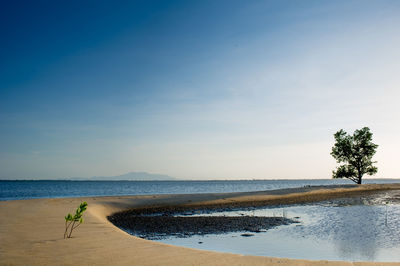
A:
356,229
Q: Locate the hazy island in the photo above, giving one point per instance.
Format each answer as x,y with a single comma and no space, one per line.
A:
131,176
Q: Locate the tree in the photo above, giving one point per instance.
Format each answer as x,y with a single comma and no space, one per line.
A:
72,222
355,152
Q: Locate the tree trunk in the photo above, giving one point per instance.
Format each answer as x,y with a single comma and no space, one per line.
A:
359,175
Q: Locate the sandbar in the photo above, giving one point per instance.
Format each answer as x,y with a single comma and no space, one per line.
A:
31,231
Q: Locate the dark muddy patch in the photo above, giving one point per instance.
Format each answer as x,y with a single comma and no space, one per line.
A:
162,226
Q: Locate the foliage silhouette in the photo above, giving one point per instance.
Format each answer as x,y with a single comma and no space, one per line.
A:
355,152
72,222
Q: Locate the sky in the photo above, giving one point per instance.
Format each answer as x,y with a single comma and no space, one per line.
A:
195,89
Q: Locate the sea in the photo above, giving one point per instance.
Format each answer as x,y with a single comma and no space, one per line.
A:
32,189
361,231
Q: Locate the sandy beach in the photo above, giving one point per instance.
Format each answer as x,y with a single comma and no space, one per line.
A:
31,231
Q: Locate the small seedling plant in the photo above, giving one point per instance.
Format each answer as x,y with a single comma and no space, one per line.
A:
73,221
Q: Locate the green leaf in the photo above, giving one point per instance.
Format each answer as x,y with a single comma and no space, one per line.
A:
68,217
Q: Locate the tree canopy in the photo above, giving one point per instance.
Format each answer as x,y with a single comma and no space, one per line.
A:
354,152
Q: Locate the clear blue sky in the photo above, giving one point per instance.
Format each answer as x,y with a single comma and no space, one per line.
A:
195,89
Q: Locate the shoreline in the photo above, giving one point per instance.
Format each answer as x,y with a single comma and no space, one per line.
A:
31,231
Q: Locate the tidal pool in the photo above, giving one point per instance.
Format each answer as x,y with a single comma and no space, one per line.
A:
352,229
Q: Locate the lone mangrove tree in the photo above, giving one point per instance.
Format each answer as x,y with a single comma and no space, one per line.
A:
354,152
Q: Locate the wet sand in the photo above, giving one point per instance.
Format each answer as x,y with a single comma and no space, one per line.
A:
31,231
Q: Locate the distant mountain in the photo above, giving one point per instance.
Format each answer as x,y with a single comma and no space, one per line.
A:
135,176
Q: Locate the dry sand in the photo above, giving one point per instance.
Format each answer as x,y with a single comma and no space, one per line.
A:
31,231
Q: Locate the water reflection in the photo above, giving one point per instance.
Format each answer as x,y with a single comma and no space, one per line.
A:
355,236
361,229
364,231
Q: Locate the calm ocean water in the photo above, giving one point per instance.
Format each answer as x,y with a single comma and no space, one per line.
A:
13,190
